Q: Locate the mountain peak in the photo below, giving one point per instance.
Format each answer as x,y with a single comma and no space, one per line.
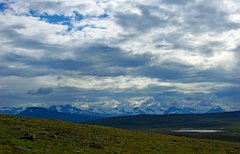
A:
216,109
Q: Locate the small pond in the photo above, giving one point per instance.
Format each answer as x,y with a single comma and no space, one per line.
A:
197,131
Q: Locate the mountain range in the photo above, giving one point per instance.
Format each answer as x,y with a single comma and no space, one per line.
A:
108,112
39,112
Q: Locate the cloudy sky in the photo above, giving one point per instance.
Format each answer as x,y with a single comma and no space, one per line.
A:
169,52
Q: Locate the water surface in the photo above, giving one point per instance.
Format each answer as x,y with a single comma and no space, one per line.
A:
197,131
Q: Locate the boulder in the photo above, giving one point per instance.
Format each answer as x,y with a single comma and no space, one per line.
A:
95,145
28,136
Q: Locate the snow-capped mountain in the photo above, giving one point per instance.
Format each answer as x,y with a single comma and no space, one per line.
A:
118,111
73,110
11,110
176,110
141,106
153,109
216,109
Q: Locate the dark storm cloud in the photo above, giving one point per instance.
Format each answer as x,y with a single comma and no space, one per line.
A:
232,93
202,18
22,41
194,15
190,16
143,22
104,60
92,59
104,54
215,75
167,71
22,72
40,91
182,2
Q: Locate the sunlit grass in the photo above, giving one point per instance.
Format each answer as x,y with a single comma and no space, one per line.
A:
54,136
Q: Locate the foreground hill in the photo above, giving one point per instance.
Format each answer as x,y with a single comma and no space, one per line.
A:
29,135
228,123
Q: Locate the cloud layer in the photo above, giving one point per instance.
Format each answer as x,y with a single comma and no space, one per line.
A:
172,51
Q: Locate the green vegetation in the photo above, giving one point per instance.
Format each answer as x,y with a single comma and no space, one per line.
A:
55,136
228,122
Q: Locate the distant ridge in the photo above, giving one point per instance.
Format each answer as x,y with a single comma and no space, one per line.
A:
179,120
39,112
11,110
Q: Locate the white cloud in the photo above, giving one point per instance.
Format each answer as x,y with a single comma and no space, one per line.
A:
107,31
234,17
198,36
112,84
225,60
139,101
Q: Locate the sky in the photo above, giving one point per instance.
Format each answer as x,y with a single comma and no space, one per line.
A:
111,52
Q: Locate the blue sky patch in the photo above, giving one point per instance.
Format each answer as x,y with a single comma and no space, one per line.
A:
3,7
53,19
56,19
103,16
78,16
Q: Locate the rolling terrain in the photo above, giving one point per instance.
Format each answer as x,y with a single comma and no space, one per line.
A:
32,135
227,124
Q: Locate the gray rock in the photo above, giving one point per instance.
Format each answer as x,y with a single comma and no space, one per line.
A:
95,145
27,136
238,149
22,148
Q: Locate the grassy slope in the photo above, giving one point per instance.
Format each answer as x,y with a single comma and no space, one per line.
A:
75,138
230,122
